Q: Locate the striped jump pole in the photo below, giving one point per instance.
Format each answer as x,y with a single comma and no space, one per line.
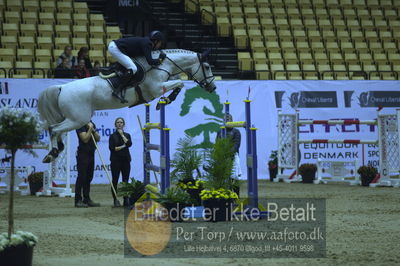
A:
337,122
163,148
146,149
351,141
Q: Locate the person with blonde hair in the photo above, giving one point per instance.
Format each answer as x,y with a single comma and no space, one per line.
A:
119,143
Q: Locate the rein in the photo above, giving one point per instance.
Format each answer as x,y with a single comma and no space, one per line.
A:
202,82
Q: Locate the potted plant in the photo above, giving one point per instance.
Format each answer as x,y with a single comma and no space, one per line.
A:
367,174
218,195
17,250
175,200
133,190
186,162
307,172
35,180
18,128
193,188
219,204
273,165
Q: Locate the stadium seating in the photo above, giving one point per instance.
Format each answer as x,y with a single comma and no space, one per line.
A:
291,39
336,38
33,33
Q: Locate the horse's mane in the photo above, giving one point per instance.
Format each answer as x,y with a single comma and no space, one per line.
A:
173,53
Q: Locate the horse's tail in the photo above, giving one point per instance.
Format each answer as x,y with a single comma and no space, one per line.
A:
48,107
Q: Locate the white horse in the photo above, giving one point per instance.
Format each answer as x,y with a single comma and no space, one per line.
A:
71,106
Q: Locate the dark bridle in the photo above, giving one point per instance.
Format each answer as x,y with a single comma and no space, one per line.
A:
202,83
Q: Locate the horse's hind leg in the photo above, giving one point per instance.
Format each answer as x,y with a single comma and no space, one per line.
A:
56,140
60,144
53,154
64,126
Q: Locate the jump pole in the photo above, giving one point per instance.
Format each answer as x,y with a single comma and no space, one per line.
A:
251,154
388,142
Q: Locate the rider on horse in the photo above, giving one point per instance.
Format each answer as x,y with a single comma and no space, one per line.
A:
123,49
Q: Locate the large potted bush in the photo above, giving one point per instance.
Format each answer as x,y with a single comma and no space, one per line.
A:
307,172
367,174
133,190
35,181
218,194
186,163
273,165
18,128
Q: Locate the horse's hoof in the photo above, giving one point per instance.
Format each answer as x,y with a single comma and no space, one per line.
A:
48,159
60,146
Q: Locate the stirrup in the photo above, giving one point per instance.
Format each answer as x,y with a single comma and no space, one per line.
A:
122,99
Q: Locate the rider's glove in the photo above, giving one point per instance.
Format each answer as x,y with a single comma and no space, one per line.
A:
162,57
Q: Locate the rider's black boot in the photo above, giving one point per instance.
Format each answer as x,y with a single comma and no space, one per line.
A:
125,79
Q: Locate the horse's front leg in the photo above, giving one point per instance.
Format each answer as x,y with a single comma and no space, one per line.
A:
176,86
172,84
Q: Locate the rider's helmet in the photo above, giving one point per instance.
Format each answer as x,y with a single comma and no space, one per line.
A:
156,36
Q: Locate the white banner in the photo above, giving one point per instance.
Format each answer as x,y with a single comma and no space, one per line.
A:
198,113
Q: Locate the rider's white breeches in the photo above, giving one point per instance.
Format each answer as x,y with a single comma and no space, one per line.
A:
123,59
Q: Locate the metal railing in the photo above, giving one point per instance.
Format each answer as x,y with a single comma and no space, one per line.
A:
367,75
44,72
4,71
13,71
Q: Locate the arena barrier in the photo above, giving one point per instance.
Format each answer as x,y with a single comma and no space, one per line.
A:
163,148
388,142
251,154
59,170
337,171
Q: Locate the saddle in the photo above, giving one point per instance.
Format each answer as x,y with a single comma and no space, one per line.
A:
115,71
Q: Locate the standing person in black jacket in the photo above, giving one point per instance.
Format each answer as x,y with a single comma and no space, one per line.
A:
119,143
236,137
123,49
85,165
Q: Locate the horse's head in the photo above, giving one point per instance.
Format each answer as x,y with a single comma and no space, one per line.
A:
202,74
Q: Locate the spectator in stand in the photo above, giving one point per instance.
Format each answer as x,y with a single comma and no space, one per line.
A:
81,71
64,70
84,54
97,64
96,68
67,54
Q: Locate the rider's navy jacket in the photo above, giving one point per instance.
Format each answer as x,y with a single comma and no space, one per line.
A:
137,46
